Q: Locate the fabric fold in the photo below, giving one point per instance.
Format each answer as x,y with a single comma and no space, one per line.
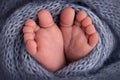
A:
19,65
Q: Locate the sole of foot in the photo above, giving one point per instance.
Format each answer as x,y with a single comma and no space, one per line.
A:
79,34
44,42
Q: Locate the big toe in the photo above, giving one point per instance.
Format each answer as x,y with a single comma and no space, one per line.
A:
66,22
45,19
67,17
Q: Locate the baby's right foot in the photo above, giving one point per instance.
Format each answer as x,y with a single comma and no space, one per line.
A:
44,41
80,36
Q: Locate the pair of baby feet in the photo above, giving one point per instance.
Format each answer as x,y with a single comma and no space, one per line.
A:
54,47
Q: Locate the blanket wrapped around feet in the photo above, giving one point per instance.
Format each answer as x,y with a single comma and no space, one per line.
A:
102,63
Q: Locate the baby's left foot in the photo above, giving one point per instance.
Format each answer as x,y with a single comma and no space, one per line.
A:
44,42
80,36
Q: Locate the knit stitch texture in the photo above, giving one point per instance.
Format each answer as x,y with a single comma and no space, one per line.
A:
102,63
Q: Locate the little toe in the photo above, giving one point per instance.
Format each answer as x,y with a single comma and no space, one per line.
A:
93,39
31,47
67,17
45,19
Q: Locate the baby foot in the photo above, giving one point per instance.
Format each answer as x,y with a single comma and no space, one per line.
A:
45,42
80,36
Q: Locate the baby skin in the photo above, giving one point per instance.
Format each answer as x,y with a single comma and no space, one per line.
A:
54,47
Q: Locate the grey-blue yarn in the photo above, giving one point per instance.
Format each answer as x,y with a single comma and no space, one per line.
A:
17,64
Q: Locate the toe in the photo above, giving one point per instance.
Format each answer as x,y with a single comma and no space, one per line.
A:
66,22
67,17
93,39
28,36
30,26
31,47
81,15
28,29
30,23
45,19
90,29
86,22
83,19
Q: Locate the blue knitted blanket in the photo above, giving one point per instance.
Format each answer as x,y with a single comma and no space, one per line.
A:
103,62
